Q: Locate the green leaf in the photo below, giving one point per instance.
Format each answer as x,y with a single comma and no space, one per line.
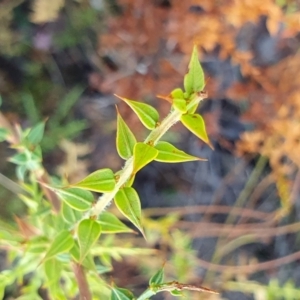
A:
111,224
65,106
37,153
61,243
143,154
195,124
36,134
38,245
157,278
9,232
88,261
3,134
70,215
176,293
147,114
9,237
76,198
75,251
180,105
125,138
7,277
121,294
53,269
88,233
21,172
194,79
30,160
2,290
30,109
101,181
19,159
128,202
170,154
101,269
177,94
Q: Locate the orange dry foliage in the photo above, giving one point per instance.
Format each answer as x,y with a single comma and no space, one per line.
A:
143,37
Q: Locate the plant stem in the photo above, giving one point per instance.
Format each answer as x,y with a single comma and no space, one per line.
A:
84,291
152,139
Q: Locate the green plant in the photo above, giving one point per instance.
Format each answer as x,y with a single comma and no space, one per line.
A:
55,249
60,125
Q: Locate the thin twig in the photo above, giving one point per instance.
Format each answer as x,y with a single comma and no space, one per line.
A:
251,268
215,229
213,209
11,185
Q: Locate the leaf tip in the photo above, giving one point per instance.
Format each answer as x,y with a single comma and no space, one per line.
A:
202,159
143,234
210,145
121,98
166,98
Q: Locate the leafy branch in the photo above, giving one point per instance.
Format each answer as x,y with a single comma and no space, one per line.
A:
128,171
71,222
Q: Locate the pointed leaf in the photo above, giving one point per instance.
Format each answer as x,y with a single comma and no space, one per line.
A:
125,139
195,124
19,158
30,160
69,214
143,154
147,114
3,134
111,224
38,245
180,105
21,172
128,202
88,233
53,269
61,243
76,198
101,269
170,154
36,133
121,294
194,79
100,181
176,293
157,278
88,261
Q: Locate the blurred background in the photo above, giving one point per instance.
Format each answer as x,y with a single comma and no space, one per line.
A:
230,223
